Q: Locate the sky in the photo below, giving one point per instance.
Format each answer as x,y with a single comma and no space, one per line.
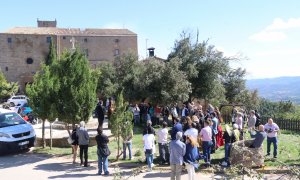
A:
264,33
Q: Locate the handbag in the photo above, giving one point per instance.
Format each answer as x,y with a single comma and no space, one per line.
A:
70,140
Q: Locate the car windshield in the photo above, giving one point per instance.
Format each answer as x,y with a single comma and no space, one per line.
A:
10,119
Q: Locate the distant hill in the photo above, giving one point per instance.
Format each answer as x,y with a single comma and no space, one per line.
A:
277,89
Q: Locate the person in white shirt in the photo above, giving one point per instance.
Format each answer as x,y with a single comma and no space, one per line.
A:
192,131
271,128
149,147
163,143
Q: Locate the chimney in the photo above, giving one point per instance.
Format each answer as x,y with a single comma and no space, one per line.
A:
151,51
46,23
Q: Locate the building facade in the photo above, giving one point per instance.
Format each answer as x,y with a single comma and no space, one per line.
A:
23,49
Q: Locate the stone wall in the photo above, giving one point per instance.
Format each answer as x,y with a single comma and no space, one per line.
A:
15,49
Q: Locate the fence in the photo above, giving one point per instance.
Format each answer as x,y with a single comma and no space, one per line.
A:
284,124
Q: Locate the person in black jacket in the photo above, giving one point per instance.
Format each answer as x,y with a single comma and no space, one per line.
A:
102,151
74,143
100,112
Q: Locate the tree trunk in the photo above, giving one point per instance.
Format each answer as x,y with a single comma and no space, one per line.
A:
43,134
50,135
118,141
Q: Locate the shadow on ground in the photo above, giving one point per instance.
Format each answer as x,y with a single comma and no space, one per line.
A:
20,159
157,175
63,167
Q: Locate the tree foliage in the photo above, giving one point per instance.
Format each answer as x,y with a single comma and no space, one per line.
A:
234,84
7,89
76,95
121,121
282,109
204,66
43,91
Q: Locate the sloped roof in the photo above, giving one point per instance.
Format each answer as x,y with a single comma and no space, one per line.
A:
70,31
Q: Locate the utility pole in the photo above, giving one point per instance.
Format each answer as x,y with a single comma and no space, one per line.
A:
146,48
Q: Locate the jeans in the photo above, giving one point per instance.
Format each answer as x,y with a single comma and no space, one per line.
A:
165,118
206,145
163,152
274,141
102,164
227,151
149,158
214,141
136,119
191,171
100,121
176,171
125,145
83,150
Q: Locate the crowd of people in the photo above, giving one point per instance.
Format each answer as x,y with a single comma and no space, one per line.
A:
194,135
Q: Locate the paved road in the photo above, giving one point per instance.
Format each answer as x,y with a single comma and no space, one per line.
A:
40,167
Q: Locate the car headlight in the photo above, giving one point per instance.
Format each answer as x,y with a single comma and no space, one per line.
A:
32,132
4,135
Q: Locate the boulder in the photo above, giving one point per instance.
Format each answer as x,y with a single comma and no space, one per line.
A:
61,142
241,154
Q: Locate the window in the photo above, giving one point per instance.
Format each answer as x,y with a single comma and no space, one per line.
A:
117,52
6,68
48,39
9,40
29,60
85,40
64,37
86,51
117,40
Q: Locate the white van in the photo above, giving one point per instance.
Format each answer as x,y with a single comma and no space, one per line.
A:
15,133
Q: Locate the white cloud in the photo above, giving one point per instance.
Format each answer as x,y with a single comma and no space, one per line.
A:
279,24
271,33
266,36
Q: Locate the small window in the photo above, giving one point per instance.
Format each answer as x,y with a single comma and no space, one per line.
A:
29,60
64,37
48,39
85,40
6,68
117,52
117,40
86,51
9,40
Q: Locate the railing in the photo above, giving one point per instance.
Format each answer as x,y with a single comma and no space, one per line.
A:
284,124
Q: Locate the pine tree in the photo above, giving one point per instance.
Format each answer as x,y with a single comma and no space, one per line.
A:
121,121
76,97
7,89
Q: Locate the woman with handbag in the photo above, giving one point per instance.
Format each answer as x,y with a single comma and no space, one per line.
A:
74,143
102,151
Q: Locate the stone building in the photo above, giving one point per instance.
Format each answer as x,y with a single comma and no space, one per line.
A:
23,49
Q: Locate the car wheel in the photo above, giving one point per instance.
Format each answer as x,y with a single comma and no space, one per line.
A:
12,104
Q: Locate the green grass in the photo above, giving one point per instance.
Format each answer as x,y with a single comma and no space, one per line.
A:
137,142
288,150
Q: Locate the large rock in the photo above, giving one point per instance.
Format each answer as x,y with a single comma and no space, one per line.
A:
241,154
61,142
